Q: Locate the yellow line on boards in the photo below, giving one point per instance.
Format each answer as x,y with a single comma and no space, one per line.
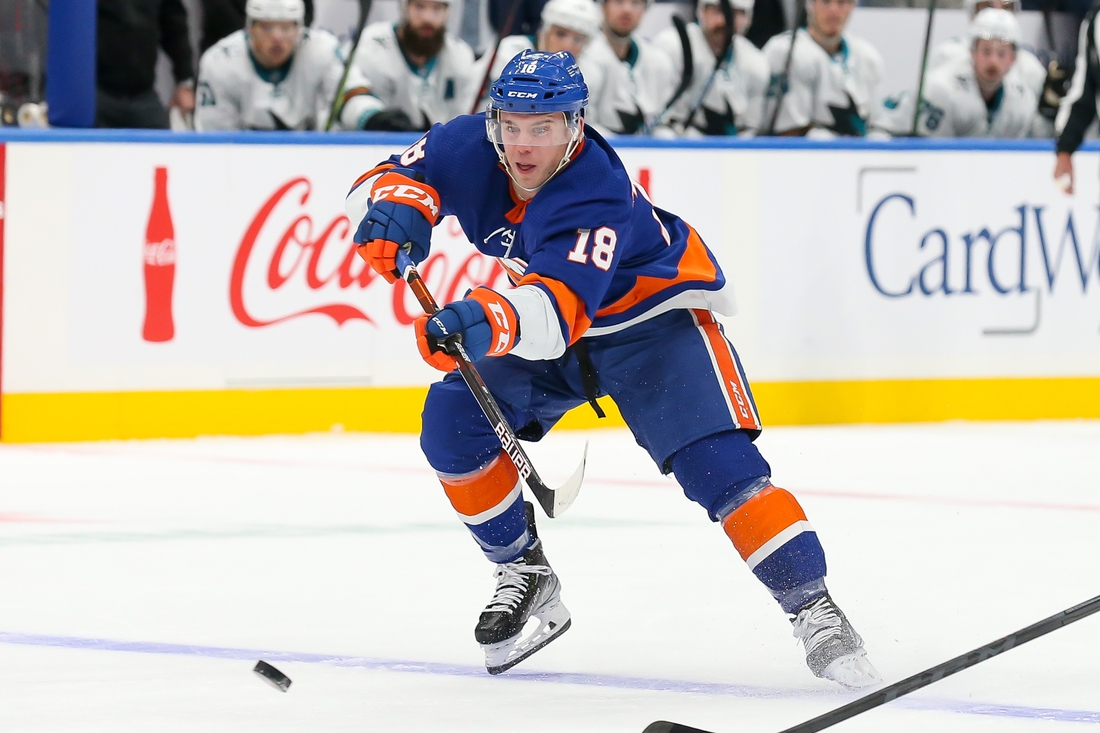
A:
31,417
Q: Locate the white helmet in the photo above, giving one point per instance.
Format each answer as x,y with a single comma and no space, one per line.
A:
744,6
294,10
996,25
971,6
581,16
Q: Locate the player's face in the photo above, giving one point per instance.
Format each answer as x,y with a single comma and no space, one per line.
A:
623,16
830,16
273,41
425,17
555,38
992,59
533,145
713,23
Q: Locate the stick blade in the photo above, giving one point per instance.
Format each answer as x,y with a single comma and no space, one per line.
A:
565,494
663,726
272,676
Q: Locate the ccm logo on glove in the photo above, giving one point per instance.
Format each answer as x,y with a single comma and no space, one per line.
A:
399,188
485,322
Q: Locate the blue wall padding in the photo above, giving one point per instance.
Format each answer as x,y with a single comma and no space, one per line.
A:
70,63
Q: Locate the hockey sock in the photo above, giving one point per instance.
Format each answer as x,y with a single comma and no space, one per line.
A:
726,474
490,502
770,530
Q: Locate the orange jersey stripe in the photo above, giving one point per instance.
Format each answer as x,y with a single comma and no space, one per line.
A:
732,384
570,307
761,518
694,265
481,491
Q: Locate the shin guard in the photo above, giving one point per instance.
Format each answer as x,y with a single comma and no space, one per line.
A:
489,501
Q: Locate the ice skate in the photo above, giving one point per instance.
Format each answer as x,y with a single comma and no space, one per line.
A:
526,588
834,650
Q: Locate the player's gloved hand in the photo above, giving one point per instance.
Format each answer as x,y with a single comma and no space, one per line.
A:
1054,88
401,215
484,322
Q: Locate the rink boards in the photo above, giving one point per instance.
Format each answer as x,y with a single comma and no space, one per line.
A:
876,282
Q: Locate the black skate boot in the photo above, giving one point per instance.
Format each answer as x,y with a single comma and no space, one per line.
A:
834,651
526,587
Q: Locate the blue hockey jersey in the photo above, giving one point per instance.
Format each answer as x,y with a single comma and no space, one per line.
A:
590,238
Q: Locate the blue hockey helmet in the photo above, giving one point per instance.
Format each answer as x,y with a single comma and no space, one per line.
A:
537,83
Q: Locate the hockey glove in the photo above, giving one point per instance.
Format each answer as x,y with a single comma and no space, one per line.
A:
484,322
401,215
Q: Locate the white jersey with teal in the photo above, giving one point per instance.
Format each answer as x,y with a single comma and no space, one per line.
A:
236,93
439,91
837,92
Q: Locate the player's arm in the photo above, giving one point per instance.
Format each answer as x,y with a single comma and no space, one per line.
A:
395,205
1078,106
216,107
552,306
937,116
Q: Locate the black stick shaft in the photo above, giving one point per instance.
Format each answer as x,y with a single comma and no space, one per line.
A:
923,64
948,668
337,101
784,83
928,676
484,397
506,31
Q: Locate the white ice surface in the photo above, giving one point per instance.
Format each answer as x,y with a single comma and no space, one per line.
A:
205,555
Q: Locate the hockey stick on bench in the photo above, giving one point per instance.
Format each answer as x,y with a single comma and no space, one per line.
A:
921,679
553,501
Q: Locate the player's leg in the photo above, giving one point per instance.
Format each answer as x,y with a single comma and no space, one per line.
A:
700,423
485,490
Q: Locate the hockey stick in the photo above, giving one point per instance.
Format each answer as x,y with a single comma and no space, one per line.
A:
783,81
504,33
337,102
686,77
923,65
721,60
553,501
921,679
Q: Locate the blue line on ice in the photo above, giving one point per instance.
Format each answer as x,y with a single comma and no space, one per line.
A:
563,678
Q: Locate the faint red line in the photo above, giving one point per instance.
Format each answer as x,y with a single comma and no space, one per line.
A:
942,500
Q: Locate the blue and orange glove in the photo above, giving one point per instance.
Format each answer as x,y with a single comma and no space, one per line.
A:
484,322
401,215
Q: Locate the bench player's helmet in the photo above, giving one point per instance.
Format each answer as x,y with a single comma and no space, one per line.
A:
292,10
538,83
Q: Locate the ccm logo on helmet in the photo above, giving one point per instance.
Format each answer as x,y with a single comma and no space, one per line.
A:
523,95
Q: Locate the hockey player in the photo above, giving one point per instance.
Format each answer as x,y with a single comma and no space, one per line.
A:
1028,68
613,296
567,25
734,102
422,74
637,74
977,96
831,85
1078,110
276,75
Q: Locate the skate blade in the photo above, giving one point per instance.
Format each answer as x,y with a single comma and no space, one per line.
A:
504,655
853,671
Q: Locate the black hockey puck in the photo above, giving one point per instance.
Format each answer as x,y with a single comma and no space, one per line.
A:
272,676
